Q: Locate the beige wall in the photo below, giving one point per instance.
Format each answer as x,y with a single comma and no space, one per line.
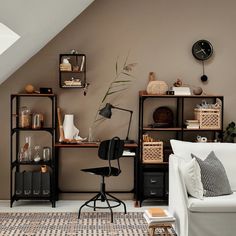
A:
159,35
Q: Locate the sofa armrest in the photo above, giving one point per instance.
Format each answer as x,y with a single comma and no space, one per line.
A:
178,197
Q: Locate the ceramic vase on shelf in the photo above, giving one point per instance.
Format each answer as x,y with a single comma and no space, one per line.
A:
70,131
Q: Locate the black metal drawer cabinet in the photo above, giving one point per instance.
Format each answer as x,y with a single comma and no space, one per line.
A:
153,184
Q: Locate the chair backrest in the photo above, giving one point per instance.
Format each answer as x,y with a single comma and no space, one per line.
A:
111,149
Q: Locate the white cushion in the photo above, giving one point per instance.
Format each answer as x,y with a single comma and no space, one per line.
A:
191,173
226,203
226,152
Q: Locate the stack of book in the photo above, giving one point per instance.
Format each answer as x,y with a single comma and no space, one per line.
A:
181,90
65,67
155,216
192,124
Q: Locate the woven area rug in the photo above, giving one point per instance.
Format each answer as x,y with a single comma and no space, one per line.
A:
91,223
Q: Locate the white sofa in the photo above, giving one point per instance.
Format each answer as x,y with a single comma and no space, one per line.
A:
212,216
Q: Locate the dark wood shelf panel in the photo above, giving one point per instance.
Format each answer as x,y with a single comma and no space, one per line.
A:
72,87
185,129
155,164
17,197
71,71
144,94
48,129
31,163
88,145
162,129
74,54
33,95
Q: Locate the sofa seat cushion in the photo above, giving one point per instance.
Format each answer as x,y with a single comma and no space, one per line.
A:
226,203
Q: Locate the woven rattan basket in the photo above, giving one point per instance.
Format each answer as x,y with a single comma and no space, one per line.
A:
208,118
152,152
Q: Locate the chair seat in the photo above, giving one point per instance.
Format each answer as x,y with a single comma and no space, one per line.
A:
103,171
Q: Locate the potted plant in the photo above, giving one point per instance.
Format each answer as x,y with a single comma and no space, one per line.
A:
230,133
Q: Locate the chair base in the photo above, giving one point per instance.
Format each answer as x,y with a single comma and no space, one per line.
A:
103,197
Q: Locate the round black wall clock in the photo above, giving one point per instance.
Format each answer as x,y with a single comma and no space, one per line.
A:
202,50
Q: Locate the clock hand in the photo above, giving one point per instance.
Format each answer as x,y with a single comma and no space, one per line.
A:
199,51
203,51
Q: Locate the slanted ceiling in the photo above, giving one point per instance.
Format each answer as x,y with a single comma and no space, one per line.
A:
37,22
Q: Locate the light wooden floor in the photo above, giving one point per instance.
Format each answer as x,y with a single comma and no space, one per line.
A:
63,206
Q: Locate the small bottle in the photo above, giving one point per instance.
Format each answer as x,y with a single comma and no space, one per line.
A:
21,157
90,135
28,151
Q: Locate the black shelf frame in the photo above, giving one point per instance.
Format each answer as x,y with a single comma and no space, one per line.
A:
179,131
82,73
15,134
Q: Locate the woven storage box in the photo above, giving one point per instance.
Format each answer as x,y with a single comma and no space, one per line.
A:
208,118
152,152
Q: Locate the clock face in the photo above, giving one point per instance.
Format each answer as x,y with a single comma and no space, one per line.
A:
202,50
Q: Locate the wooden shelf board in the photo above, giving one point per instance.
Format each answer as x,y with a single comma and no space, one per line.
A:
33,95
144,94
162,129
88,145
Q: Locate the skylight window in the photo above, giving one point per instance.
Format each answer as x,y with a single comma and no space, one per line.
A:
7,38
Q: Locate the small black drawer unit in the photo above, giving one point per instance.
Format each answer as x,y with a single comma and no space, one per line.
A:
153,184
32,184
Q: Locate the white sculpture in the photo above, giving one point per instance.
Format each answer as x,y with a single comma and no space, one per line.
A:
70,131
65,61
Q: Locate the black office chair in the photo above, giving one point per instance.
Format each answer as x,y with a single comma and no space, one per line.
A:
108,150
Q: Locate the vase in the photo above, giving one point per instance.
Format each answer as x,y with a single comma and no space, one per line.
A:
70,131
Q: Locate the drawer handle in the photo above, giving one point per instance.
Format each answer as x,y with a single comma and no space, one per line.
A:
153,181
153,193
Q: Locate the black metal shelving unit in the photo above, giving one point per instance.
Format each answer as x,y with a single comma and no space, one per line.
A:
79,73
155,176
15,130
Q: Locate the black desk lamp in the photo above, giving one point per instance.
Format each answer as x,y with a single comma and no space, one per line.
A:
106,112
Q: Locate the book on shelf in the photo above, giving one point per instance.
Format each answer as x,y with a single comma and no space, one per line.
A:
192,127
82,63
128,153
181,90
192,124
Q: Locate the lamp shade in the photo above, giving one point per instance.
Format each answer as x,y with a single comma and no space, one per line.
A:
106,111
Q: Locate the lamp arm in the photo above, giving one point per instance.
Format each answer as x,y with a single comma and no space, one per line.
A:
122,109
131,113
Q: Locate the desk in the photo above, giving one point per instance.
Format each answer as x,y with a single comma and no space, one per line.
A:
131,146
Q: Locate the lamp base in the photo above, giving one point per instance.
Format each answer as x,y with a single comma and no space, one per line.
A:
128,141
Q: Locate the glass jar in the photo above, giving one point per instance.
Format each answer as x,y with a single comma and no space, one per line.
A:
46,153
37,156
37,121
25,117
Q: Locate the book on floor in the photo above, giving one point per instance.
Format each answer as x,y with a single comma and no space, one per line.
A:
158,215
156,212
152,222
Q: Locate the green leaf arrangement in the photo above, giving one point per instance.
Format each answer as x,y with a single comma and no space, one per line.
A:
230,133
121,82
